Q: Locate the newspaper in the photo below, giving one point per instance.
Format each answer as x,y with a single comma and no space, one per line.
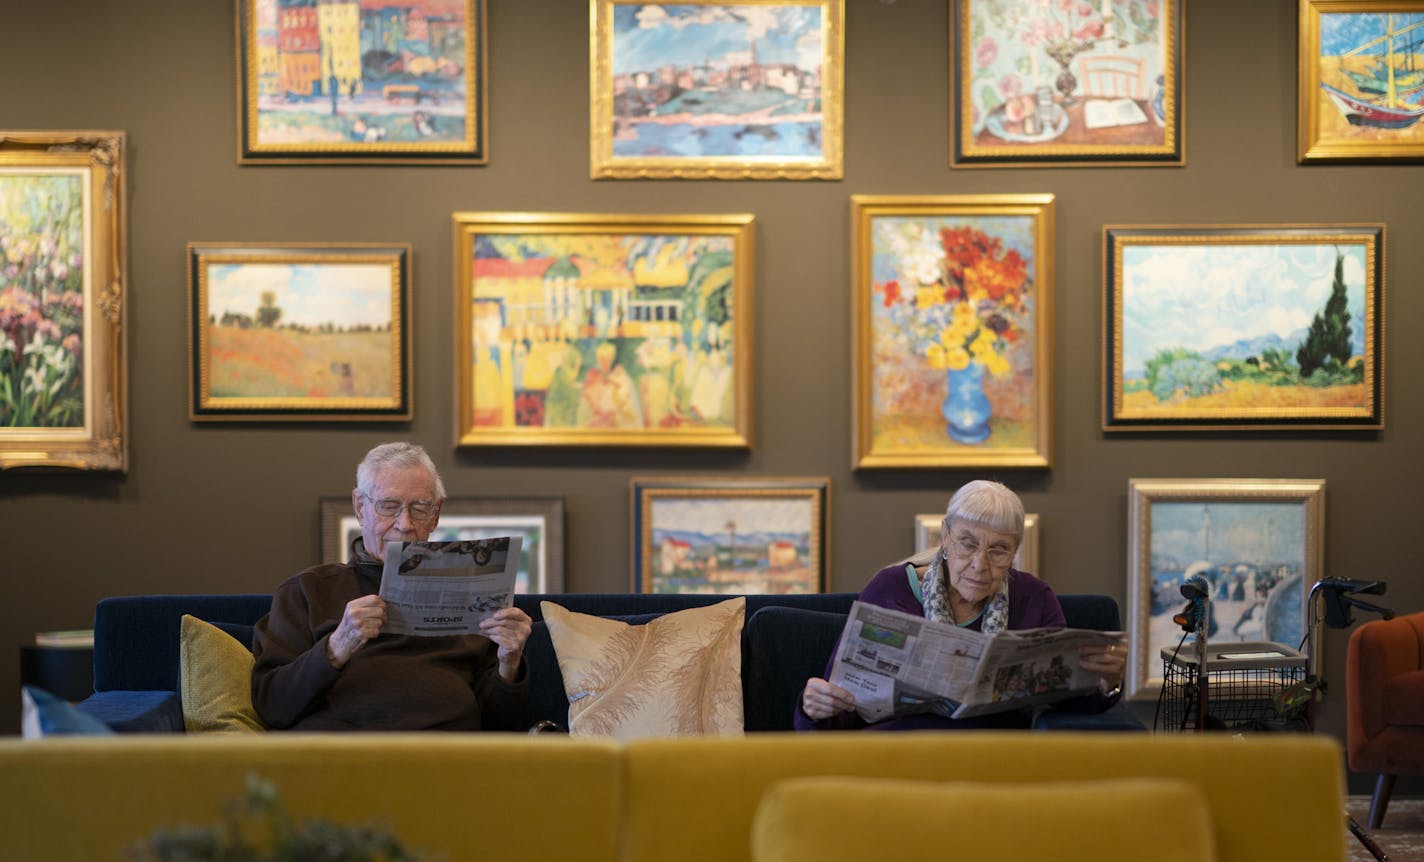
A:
897,663
447,588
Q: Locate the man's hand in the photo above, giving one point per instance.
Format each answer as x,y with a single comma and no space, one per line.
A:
361,621
509,628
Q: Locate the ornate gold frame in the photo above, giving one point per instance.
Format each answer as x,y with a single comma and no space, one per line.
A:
1026,560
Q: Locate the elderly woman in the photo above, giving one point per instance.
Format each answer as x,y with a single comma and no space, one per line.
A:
967,581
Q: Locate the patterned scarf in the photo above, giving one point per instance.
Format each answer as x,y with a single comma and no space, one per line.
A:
936,597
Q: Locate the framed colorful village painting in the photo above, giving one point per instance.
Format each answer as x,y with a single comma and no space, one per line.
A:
1229,328
603,330
63,381
1361,84
361,82
702,89
952,299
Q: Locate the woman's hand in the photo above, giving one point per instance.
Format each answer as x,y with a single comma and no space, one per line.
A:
821,700
1106,660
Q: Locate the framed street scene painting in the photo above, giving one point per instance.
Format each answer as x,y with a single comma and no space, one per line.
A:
952,299
63,265
927,531
717,89
1066,82
361,82
299,332
604,330
1241,327
737,536
1361,81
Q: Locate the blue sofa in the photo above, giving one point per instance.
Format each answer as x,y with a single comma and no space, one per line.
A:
785,641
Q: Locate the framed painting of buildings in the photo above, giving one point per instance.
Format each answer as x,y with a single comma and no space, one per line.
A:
736,536
1361,81
717,89
927,527
63,265
1241,327
361,82
299,332
952,303
603,330
1066,82
1258,544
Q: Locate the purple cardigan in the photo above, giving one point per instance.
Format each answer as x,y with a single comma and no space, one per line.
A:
1032,604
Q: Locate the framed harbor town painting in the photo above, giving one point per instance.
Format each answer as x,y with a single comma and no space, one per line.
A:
603,330
1066,82
63,265
1230,328
1361,81
952,299
927,531
738,536
1258,543
717,89
361,82
299,332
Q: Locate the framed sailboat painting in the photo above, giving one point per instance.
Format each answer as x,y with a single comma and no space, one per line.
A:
1361,83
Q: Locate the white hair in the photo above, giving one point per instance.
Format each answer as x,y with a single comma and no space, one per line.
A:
988,504
398,454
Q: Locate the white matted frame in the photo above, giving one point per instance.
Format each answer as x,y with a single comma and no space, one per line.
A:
1025,559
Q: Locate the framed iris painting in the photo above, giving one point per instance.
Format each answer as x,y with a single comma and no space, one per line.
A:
361,82
717,89
927,531
314,332
1231,328
603,330
738,536
951,309
1361,81
1066,82
1257,543
63,265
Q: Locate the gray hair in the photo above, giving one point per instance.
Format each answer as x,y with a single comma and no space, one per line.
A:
988,504
400,455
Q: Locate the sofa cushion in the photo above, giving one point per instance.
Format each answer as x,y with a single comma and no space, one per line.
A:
804,820
679,674
136,711
44,714
781,649
215,680
136,637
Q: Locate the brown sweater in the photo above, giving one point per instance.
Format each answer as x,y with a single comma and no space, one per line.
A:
393,682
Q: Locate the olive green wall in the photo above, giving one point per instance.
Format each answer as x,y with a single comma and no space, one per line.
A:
234,508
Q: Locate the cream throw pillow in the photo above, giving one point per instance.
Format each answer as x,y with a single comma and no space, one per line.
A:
679,675
215,680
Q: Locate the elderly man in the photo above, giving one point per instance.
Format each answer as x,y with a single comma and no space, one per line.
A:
322,662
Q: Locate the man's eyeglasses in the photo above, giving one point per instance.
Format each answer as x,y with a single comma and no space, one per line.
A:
420,510
966,548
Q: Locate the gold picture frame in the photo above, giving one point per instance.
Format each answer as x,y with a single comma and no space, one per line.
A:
1025,559
603,330
674,94
63,292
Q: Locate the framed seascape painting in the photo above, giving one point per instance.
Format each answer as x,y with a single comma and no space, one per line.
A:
539,520
603,330
1066,82
63,264
1258,543
952,298
1230,328
1361,80
927,527
702,89
303,332
735,536
361,82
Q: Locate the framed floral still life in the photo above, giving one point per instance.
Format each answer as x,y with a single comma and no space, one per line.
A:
299,332
951,309
603,330
1066,82
737,536
63,380
717,89
1258,544
1361,81
361,82
539,520
1231,328
927,530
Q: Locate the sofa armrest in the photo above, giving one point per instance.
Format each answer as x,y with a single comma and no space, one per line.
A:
136,711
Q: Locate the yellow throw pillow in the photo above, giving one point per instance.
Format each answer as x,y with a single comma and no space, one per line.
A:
679,675
215,680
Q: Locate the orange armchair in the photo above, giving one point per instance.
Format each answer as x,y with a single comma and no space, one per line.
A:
1384,703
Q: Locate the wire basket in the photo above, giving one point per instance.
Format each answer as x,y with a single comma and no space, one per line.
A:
1244,684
